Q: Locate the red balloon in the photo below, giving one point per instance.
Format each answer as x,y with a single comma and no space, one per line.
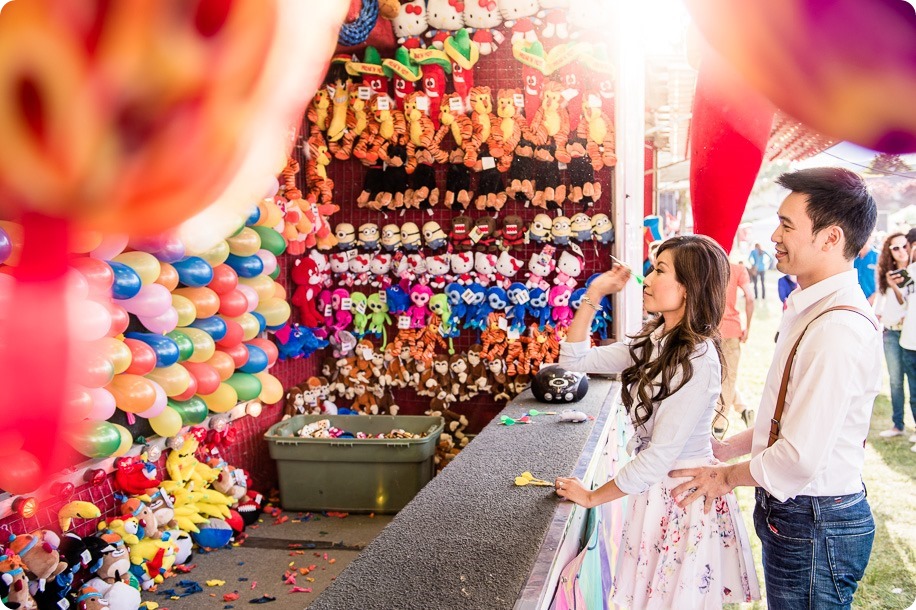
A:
233,304
94,372
21,473
234,334
205,376
225,279
238,353
97,273
119,318
142,357
191,391
269,348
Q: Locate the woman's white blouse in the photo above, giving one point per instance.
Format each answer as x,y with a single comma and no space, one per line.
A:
679,427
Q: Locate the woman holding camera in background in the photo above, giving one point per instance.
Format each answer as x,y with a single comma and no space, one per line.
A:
894,287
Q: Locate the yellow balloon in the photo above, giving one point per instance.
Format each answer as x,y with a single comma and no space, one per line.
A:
187,313
116,352
271,214
223,399
203,344
216,255
167,423
146,265
127,441
246,243
262,284
271,388
174,379
279,292
250,326
275,311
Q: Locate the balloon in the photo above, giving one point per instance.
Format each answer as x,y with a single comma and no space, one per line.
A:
234,334
271,214
127,441
97,273
84,242
268,347
238,353
163,323
152,300
223,399
251,326
194,271
251,296
111,246
262,323
192,411
206,302
273,187
256,213
95,372
185,309
103,404
271,388
172,250
184,343
204,346
275,311
213,326
142,357
16,235
222,364
268,260
77,286
78,405
167,423
115,351
120,319
89,320
246,386
168,276
188,393
6,245
224,279
279,291
271,241
205,375
262,284
145,264
21,473
217,254
132,393
165,348
245,266
275,273
158,404
174,379
257,360
244,243
126,282
233,304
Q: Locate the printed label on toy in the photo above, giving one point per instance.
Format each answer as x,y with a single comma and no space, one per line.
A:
63,604
475,234
383,296
360,307
568,94
346,304
423,103
455,104
328,311
86,557
468,297
382,103
561,166
488,162
364,93
403,322
351,254
548,251
594,101
519,100
513,335
576,250
523,298
502,323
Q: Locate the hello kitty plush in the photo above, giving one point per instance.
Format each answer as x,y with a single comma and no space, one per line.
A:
483,17
411,22
322,265
340,266
569,268
359,270
519,15
444,17
462,264
553,16
379,267
485,268
589,20
507,266
437,267
412,267
540,266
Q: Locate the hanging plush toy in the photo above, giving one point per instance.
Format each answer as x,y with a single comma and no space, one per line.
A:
378,317
485,268
507,267
434,65
519,15
602,229
458,176
549,130
316,176
371,71
600,134
418,311
569,268
484,233
391,238
368,237
561,313
460,233
444,17
367,150
538,306
421,153
581,226
379,268
540,266
462,266
338,87
483,17
474,295
518,306
319,111
509,132
308,284
437,268
358,97
513,232
573,76
539,230
342,317
464,54
490,188
340,266
584,189
359,269
404,72
434,236
560,231
410,237
553,17
410,23
397,299
346,236
458,306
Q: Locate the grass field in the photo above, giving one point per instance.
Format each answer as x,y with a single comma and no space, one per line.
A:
890,477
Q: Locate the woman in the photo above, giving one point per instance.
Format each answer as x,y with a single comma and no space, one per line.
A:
672,376
890,308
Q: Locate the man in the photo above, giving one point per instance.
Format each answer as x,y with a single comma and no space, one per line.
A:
866,263
760,261
812,517
733,335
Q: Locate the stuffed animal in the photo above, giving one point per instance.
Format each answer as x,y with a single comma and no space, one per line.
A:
518,305
412,268
509,132
39,554
460,233
538,306
418,311
397,299
497,380
358,305
464,54
434,65
485,268
507,266
437,267
458,176
342,317
549,131
378,317
512,234
462,265
346,236
359,270
411,22
553,17
475,296
15,583
560,231
519,15
128,528
391,238
569,268
483,17
435,237
386,128
318,112
404,71
135,476
444,17
581,227
484,234
338,84
379,268
421,153
490,187
368,237
540,230
599,131
558,299
308,282
410,237
340,268
357,120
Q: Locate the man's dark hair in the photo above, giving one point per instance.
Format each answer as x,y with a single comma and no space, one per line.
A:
911,236
838,197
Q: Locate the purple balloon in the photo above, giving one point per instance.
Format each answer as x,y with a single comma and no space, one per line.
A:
171,251
6,246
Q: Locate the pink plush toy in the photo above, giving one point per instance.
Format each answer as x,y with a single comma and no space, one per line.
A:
539,267
569,268
419,312
342,318
437,267
561,312
485,268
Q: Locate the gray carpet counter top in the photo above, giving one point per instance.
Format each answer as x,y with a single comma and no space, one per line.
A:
472,539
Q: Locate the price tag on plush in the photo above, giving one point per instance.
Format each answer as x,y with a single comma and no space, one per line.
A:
502,323
351,254
468,297
383,296
328,311
346,304
475,234
513,335
423,103
364,93
488,162
403,322
594,101
455,105
382,103
523,298
561,166
360,307
519,100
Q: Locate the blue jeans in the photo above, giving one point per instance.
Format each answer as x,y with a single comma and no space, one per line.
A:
909,369
815,549
759,277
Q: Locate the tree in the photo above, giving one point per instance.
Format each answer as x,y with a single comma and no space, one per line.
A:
885,163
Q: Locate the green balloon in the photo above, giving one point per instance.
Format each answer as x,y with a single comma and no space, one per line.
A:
185,345
275,274
193,411
271,241
237,231
95,439
247,386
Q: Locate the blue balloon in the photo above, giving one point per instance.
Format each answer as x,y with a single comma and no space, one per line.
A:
257,360
246,266
126,281
254,217
214,326
194,271
274,329
166,349
261,321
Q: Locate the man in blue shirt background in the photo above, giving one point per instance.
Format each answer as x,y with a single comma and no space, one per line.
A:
865,263
760,261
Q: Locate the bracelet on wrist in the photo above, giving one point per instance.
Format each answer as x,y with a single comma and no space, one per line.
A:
590,303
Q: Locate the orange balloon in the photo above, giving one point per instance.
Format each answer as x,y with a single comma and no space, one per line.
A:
84,242
223,363
132,393
279,292
206,302
168,276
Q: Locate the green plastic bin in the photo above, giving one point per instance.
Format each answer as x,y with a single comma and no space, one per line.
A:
353,475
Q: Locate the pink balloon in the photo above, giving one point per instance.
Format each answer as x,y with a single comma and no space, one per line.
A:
111,246
273,186
251,295
269,260
164,323
89,320
103,404
158,405
152,300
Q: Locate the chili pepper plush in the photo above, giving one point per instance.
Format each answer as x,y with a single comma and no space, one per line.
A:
464,54
434,65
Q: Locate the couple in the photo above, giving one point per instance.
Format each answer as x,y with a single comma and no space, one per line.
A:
811,514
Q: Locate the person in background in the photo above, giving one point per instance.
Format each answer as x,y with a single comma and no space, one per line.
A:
907,340
866,264
734,333
760,261
786,285
895,286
